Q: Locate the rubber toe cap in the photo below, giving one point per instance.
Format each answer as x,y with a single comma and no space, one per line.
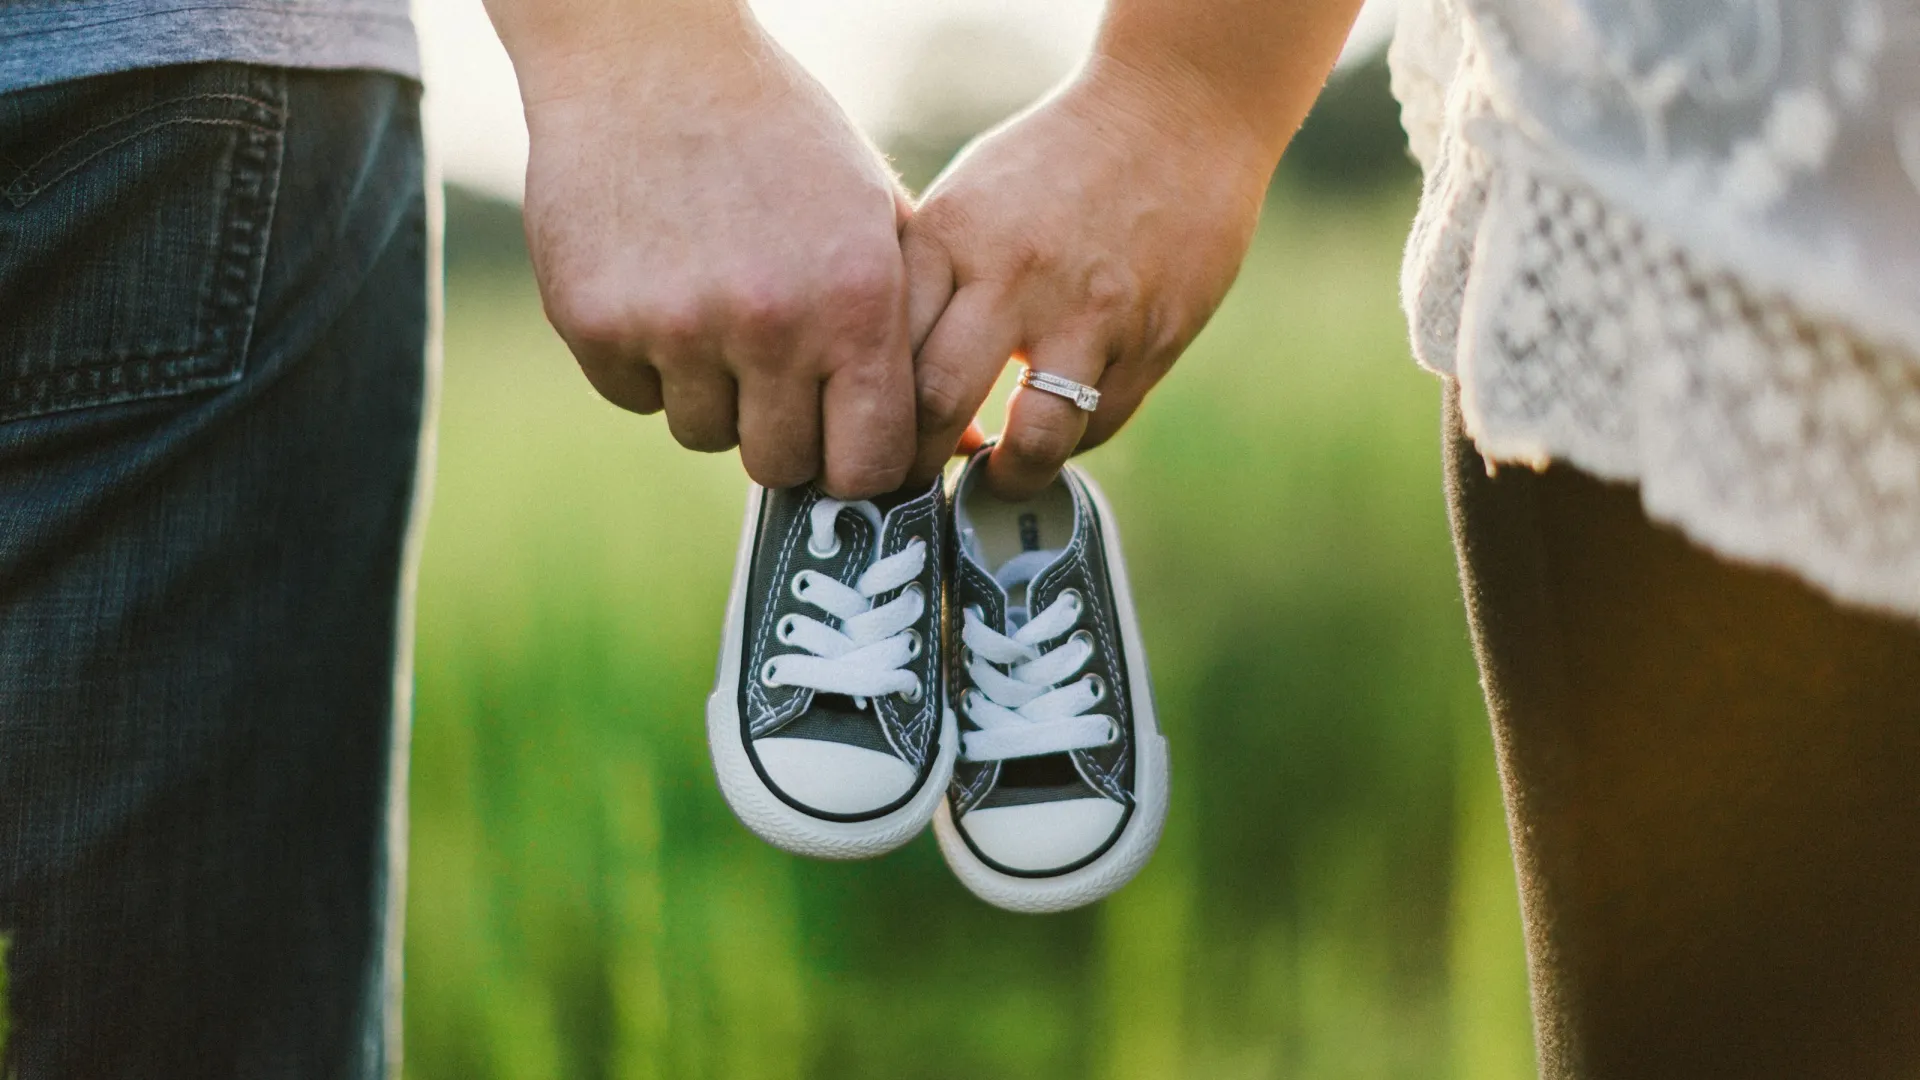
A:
832,777
1045,836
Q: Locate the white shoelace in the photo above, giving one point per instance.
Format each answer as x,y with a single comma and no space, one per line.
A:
1024,711
867,655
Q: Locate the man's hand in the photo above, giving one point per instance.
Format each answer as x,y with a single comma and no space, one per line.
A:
1094,236
712,237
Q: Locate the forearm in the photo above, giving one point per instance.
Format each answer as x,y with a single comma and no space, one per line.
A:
1250,66
562,47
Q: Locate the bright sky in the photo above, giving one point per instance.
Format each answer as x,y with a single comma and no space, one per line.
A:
857,48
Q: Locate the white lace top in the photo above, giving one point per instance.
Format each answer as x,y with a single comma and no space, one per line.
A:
1677,242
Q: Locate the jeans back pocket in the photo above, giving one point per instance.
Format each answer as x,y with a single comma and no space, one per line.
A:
134,218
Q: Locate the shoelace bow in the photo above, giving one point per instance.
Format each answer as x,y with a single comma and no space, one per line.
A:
866,656
1023,711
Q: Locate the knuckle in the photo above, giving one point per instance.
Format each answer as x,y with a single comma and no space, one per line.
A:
1039,443
705,441
606,314
646,402
780,473
673,322
863,300
864,479
763,313
602,371
701,434
623,383
1025,258
1161,336
1110,291
591,314
870,279
937,398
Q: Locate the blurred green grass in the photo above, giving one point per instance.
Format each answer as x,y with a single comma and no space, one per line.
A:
1334,897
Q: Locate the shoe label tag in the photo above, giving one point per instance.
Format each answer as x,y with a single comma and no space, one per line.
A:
1029,532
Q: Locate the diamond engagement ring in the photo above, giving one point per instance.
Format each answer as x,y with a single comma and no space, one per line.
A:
1083,396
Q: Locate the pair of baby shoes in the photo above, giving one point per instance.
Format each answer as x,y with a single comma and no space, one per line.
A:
964,660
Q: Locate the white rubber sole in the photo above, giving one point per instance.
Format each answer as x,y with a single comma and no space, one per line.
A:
769,816
1118,864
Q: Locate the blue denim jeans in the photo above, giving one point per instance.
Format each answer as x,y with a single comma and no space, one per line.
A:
213,312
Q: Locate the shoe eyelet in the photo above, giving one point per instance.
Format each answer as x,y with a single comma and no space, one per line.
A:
798,586
1085,636
1099,687
785,630
767,678
914,644
829,552
1113,732
1073,597
912,697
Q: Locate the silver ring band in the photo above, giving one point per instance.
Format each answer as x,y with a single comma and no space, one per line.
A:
1083,396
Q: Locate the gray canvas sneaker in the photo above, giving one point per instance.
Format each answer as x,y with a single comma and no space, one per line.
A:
828,724
1060,789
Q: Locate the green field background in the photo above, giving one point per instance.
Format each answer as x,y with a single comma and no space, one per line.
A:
1334,897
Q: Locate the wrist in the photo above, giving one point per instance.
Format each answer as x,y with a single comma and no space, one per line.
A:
1168,106
574,48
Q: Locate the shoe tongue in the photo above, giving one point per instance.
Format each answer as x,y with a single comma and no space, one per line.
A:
1015,575
839,719
895,499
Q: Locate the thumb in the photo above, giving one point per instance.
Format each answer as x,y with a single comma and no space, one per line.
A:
930,281
902,207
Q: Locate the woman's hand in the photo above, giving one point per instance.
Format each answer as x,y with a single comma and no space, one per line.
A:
1093,238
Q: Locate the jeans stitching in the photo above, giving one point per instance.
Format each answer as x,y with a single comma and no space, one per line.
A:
249,232
175,375
231,292
264,106
20,196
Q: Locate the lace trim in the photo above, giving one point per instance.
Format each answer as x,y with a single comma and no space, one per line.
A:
1583,335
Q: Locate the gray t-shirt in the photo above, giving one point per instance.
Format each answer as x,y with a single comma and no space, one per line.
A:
49,41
